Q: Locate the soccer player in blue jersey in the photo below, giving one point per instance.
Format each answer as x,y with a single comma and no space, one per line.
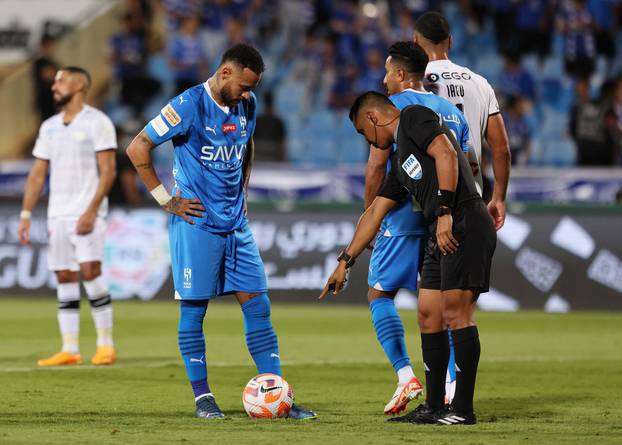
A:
404,232
213,252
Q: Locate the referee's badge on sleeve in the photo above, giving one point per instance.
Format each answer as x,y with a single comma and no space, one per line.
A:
412,167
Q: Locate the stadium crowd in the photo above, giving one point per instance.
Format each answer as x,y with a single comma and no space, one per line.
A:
552,63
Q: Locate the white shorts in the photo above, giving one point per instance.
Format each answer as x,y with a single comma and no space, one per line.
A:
67,250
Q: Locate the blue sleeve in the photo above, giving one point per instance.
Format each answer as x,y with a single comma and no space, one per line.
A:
175,119
464,139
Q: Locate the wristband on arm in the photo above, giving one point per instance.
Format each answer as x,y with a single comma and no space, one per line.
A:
446,198
161,195
25,214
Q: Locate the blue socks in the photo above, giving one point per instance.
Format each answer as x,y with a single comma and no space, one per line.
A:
192,344
451,366
390,331
260,337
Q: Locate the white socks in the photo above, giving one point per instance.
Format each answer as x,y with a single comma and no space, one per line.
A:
68,295
404,374
101,309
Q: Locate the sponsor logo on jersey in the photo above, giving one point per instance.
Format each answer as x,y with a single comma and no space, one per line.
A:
229,128
412,167
222,153
448,75
171,115
159,126
212,129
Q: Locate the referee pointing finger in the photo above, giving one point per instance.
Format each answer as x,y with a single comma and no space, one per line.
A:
430,166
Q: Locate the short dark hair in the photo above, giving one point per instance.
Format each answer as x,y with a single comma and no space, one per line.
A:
78,70
370,98
433,26
246,56
410,56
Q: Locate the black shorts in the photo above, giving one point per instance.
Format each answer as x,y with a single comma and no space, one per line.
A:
469,266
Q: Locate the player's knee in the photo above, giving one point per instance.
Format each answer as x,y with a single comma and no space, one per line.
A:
373,294
90,271
456,317
429,321
257,306
66,276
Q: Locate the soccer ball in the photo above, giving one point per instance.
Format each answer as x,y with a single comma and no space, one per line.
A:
267,396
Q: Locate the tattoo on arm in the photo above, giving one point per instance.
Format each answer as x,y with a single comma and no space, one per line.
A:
145,165
144,138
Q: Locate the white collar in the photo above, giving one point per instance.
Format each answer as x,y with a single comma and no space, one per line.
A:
418,92
224,109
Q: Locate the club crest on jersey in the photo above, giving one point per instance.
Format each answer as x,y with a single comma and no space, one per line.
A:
229,128
171,115
413,168
243,126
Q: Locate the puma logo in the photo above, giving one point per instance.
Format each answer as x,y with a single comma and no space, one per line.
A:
197,360
213,130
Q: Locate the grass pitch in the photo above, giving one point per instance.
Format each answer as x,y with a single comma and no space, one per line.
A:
543,379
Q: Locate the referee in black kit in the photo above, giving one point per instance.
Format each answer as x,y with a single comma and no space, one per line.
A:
430,166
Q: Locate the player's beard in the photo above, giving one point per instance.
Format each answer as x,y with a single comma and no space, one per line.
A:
227,96
64,100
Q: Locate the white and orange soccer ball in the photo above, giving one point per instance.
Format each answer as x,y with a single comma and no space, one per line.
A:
267,396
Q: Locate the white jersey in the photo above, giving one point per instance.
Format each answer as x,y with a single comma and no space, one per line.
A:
71,149
468,91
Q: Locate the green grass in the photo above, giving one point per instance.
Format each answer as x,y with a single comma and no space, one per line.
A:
543,379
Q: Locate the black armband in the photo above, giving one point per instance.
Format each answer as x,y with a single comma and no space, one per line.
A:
446,198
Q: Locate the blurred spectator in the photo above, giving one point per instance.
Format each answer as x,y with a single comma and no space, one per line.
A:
176,10
343,90
606,16
187,56
403,29
519,134
373,74
579,47
534,22
129,59
504,18
125,187
269,136
235,32
44,70
593,126
516,80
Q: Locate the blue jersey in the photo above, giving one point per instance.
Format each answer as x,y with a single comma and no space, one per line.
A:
210,145
407,218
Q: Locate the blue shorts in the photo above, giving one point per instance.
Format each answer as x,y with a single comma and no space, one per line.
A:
395,262
207,265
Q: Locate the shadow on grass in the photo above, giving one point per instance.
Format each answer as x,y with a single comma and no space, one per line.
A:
542,407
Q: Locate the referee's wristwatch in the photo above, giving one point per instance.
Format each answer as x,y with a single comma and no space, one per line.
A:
349,259
442,211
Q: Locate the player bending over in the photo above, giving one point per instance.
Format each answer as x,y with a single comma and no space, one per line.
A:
213,252
430,166
404,231
77,146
